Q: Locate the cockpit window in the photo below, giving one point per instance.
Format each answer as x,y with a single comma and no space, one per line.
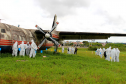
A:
3,31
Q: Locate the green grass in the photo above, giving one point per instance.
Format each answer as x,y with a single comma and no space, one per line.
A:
85,67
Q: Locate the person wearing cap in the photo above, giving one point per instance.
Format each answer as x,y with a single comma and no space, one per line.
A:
75,52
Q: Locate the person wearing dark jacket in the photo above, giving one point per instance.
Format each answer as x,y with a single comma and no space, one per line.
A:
75,52
105,54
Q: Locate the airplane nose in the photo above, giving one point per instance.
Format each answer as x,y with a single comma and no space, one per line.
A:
47,35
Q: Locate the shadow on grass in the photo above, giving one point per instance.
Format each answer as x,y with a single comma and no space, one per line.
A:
2,55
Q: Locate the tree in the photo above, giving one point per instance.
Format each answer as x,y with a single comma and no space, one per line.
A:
71,44
85,43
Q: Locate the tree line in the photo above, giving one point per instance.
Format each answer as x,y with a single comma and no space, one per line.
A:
95,45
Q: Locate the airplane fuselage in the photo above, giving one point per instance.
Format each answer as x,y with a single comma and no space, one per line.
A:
10,34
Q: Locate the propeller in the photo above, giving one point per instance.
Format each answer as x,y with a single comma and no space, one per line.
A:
48,35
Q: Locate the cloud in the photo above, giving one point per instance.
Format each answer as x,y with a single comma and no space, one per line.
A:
107,16
62,7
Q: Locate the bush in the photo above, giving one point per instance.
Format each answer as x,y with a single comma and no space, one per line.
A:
120,46
92,48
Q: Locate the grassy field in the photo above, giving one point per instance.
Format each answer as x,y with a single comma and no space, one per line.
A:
83,68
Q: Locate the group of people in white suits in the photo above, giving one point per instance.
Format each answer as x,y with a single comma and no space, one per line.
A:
71,50
30,49
110,54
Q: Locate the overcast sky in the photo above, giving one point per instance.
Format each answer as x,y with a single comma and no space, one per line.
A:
108,16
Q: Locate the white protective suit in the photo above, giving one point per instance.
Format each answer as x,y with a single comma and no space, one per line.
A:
22,47
97,51
72,50
108,53
33,49
117,54
113,54
28,48
103,50
110,47
15,49
62,49
100,52
69,50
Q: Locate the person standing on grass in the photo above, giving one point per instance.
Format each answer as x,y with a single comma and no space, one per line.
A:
103,50
33,49
72,50
112,54
117,55
68,50
62,49
23,47
105,54
15,49
75,52
100,53
108,53
97,51
28,48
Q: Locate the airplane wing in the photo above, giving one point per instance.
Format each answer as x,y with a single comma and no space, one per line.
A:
86,35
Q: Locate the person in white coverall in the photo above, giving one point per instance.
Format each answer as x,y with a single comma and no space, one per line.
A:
28,48
22,47
108,53
33,49
113,54
69,50
72,50
100,52
117,54
97,51
103,50
62,49
15,48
